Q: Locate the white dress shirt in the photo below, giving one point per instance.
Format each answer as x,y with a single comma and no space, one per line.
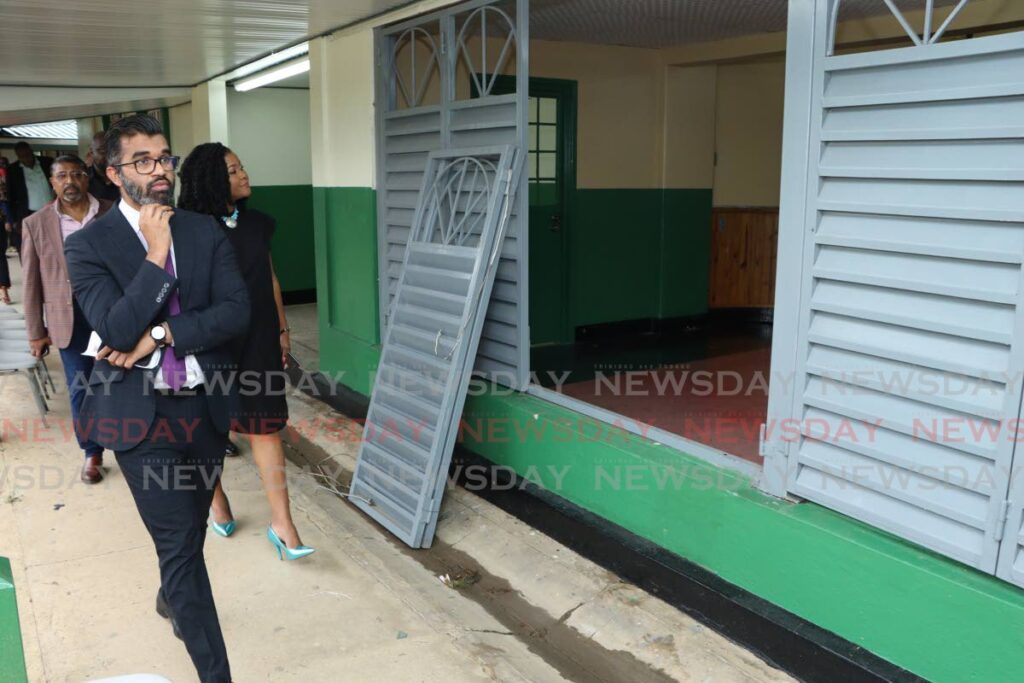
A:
37,187
193,373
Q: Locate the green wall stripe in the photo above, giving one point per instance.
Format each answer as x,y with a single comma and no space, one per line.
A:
638,254
292,246
345,237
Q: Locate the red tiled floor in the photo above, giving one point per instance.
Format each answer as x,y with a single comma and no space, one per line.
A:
719,401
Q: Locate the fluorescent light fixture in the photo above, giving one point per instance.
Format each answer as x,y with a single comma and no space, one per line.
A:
270,60
273,75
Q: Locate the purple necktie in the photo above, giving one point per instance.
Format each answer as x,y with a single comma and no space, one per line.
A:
173,367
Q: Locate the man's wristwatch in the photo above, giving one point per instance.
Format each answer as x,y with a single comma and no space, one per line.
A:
159,335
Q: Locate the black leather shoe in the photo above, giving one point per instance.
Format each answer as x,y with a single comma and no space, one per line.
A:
164,610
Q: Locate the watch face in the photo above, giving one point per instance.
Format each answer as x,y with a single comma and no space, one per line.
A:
158,333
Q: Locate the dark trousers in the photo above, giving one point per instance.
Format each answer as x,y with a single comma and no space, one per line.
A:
16,237
172,474
5,269
77,369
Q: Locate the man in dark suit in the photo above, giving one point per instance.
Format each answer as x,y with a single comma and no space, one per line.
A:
163,291
28,187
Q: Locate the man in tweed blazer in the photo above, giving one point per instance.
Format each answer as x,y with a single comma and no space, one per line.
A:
51,313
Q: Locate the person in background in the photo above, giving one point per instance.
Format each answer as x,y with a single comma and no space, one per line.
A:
100,186
214,182
5,230
28,187
45,273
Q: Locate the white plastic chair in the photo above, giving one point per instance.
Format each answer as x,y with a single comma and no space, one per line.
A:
12,362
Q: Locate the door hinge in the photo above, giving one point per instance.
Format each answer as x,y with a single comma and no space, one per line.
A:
1001,520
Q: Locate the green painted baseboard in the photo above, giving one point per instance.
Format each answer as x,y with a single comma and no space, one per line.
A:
292,247
12,654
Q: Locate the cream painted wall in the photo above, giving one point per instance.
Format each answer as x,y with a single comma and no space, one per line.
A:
748,136
620,110
182,141
270,133
341,109
688,157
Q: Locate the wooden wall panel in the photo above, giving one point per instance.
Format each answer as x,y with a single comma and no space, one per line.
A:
744,242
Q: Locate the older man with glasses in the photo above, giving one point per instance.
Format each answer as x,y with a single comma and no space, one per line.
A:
53,317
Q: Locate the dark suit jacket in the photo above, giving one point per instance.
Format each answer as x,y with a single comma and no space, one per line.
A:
123,295
17,194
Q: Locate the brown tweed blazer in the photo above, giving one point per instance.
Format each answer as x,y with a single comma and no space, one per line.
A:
45,272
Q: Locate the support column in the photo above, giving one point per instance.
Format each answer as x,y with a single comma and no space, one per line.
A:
342,136
87,128
210,112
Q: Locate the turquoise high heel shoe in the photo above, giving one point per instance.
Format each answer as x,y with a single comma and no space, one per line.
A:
225,529
283,551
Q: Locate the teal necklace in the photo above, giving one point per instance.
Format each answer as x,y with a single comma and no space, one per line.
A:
232,220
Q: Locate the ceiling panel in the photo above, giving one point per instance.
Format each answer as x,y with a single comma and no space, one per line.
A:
667,23
180,43
114,42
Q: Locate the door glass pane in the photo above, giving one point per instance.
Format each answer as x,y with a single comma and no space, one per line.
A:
548,139
548,110
533,110
532,143
533,165
547,165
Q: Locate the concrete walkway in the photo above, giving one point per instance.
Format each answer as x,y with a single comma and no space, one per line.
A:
363,608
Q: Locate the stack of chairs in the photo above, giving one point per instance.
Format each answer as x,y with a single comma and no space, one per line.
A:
16,358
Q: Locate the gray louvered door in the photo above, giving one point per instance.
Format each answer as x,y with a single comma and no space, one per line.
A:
448,273
911,346
435,78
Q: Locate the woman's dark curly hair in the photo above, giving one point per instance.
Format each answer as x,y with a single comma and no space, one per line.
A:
205,187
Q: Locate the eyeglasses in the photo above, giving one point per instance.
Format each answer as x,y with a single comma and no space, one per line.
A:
63,176
146,165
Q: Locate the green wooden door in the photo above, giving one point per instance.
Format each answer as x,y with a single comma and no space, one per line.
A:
552,175
552,188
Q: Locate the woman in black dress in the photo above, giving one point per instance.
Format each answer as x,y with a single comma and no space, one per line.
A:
213,181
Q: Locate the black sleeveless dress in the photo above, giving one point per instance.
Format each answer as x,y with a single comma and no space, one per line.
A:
263,385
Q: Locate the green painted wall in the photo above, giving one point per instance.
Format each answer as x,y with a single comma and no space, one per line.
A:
12,656
638,254
292,247
926,613
345,237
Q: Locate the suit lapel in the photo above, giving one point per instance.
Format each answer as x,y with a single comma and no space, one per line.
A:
51,225
125,247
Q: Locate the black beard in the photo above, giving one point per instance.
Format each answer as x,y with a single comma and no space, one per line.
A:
143,196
